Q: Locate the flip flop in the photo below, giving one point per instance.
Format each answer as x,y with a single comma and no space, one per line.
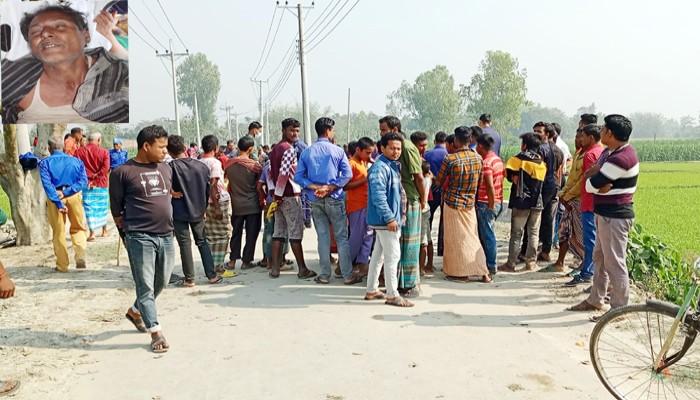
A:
13,389
353,280
184,283
308,275
412,293
219,279
273,276
248,266
456,280
229,274
399,302
159,340
375,296
323,281
90,239
550,268
138,323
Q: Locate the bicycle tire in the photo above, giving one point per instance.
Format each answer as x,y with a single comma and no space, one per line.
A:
618,326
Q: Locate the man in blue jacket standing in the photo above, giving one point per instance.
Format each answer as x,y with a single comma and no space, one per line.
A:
384,215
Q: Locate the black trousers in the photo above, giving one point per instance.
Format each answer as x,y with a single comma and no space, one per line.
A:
252,223
434,205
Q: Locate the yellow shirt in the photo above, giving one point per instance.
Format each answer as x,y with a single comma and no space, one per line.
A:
572,189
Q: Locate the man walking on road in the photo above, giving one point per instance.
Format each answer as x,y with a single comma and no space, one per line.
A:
139,193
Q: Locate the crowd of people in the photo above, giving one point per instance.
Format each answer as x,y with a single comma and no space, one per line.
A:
372,203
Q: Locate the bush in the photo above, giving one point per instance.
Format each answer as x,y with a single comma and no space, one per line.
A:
657,268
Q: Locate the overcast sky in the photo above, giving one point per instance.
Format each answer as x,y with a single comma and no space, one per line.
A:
623,55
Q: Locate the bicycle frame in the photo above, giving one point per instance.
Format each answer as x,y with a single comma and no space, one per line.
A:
662,362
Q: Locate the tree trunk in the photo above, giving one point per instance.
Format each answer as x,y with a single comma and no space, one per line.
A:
27,198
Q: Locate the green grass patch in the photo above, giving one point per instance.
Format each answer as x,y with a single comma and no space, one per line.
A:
5,203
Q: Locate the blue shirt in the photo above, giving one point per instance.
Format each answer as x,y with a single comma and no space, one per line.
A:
435,157
323,164
496,139
117,158
60,170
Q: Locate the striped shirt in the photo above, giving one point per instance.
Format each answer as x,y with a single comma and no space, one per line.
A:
493,166
464,169
102,97
621,169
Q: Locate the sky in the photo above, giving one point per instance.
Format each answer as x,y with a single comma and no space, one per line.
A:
622,55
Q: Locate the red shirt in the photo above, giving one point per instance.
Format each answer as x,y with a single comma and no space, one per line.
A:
493,166
222,158
96,160
590,157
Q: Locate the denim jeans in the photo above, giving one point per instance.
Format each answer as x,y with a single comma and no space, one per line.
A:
589,233
487,231
182,235
325,212
151,258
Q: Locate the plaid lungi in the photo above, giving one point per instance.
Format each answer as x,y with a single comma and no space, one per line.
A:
409,269
571,228
218,231
96,205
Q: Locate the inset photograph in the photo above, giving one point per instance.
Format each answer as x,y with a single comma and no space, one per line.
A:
64,62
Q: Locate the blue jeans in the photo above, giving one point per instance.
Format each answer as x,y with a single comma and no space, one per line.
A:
182,234
152,260
588,221
487,231
325,212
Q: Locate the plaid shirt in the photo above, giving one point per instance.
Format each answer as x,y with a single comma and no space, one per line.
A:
464,169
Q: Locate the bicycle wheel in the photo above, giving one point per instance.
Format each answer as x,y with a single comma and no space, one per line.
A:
624,344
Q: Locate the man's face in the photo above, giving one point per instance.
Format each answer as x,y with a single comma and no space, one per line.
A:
331,133
481,150
117,146
580,140
364,155
290,134
78,137
472,139
392,150
54,38
450,147
384,129
422,146
606,136
581,124
229,146
156,151
254,132
541,131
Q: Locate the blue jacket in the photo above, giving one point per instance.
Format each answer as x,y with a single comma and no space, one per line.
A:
384,194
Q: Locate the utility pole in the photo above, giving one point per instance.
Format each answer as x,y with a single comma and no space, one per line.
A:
348,115
228,108
172,56
267,124
196,114
261,105
302,64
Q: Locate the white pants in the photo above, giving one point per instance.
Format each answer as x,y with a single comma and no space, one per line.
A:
387,249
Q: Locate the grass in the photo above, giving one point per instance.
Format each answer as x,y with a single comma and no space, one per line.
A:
5,203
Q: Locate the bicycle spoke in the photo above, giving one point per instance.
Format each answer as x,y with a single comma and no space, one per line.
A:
629,347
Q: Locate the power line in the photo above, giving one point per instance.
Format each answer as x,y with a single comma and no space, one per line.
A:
269,49
131,29
154,17
131,12
320,17
171,25
166,68
328,22
284,57
284,78
269,30
336,25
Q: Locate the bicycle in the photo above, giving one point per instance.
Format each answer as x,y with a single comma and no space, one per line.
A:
644,350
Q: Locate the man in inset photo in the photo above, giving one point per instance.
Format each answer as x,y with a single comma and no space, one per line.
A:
62,79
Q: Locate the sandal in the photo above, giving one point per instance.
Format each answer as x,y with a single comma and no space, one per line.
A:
14,387
353,280
218,279
399,301
184,283
246,266
230,267
375,296
551,268
229,274
159,340
583,306
505,268
486,279
273,276
457,279
307,275
261,264
321,280
137,321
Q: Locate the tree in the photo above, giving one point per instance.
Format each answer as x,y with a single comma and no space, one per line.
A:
688,127
499,89
199,75
648,125
536,112
431,101
24,189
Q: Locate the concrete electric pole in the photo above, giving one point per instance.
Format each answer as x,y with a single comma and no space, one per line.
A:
172,57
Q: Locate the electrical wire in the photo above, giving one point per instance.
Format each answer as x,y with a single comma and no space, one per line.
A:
311,28
171,25
144,40
336,25
284,57
154,18
328,22
269,49
164,66
281,81
269,30
131,12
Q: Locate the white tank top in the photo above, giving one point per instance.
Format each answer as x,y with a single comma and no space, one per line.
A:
38,112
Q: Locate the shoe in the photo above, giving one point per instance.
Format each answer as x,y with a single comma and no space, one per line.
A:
80,264
577,280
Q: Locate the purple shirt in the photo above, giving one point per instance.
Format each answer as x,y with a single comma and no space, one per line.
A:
435,157
496,139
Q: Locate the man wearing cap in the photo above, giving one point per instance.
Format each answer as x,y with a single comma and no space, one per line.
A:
117,156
